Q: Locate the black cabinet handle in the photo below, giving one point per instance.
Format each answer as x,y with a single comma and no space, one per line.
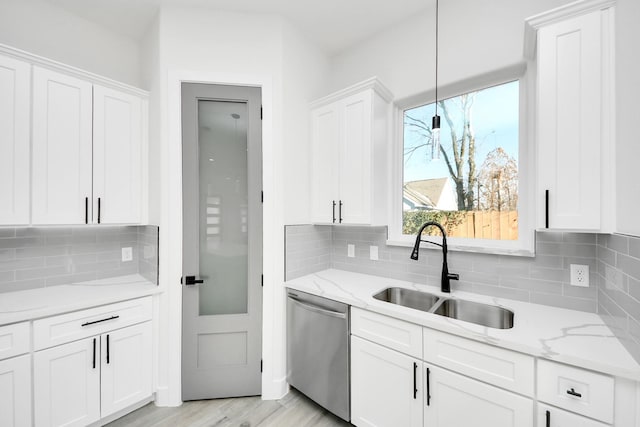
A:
415,380
107,349
548,424
428,387
546,208
572,392
334,211
100,321
98,210
86,210
340,211
94,353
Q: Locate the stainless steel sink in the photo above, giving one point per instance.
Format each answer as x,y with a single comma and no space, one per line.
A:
480,314
408,298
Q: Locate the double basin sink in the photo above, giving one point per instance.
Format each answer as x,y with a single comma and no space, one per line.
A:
481,314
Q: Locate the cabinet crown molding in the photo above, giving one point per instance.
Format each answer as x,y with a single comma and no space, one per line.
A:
70,70
370,83
533,23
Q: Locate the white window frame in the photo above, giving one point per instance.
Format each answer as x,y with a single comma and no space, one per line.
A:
525,244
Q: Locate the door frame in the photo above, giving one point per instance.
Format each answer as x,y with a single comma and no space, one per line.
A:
168,352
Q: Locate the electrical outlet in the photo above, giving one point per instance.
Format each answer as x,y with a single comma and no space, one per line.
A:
127,254
373,253
580,275
351,250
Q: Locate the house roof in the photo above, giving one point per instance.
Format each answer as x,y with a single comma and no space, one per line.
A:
425,192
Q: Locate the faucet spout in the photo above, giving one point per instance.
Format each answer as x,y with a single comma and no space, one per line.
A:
446,277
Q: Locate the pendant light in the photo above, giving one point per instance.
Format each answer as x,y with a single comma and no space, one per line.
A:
435,121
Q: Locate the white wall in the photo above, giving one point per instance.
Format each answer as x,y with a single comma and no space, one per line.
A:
44,29
476,37
627,115
304,80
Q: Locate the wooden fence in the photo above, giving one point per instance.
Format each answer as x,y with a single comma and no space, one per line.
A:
488,225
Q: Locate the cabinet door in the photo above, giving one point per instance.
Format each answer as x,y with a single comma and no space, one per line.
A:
15,392
548,416
458,401
355,158
14,141
61,156
67,384
570,118
117,154
325,134
386,386
126,367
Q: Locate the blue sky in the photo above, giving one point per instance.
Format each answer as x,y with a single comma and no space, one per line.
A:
494,120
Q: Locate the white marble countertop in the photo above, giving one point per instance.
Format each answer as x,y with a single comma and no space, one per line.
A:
36,303
573,337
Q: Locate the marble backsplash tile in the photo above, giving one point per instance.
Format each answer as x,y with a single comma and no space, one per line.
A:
36,257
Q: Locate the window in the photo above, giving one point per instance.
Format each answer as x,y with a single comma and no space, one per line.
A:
473,186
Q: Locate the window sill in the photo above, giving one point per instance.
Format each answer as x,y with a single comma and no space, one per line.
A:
488,246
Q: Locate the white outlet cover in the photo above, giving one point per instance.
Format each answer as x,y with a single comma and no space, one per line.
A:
373,253
127,254
580,275
351,250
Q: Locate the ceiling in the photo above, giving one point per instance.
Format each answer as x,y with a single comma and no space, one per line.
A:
333,25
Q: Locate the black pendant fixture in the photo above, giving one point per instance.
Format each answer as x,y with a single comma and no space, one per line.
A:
435,121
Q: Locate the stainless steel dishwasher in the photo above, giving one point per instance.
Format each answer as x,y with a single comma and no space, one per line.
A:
318,350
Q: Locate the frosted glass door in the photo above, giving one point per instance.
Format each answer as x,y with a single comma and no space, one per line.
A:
222,241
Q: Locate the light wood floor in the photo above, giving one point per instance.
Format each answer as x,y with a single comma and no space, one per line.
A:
293,410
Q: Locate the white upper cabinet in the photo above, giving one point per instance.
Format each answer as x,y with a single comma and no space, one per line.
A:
15,80
61,148
574,116
88,151
349,131
117,155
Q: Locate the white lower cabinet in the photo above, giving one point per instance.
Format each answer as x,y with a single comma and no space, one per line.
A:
15,392
67,384
78,383
454,400
126,367
549,416
386,386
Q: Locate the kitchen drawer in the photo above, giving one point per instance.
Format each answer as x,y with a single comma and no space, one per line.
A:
503,368
396,334
14,339
574,389
56,330
560,418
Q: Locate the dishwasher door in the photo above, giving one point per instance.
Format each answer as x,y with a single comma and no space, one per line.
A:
318,350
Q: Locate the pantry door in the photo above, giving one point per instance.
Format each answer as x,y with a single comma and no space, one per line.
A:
222,241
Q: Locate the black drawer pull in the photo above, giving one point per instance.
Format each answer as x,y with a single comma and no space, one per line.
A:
546,208
334,211
428,387
415,380
99,321
572,392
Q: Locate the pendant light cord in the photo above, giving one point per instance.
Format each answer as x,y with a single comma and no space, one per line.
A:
437,16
